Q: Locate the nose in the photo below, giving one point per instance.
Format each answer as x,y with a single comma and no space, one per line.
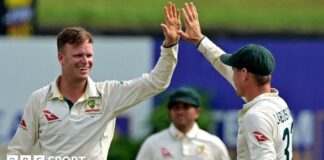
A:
84,59
180,110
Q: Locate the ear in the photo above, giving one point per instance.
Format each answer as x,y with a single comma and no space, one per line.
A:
244,74
198,111
60,57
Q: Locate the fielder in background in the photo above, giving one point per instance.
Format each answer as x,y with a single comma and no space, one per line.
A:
265,123
183,139
74,116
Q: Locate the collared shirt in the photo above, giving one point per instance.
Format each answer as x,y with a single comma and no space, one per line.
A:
265,128
265,123
172,144
87,129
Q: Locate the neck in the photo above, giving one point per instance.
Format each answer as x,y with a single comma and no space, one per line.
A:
70,89
184,129
254,91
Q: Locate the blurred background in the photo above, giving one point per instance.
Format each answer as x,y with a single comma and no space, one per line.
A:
127,44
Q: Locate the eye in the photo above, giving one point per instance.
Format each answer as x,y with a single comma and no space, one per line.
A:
77,55
89,55
187,106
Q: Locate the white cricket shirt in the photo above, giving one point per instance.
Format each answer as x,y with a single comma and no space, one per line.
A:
87,129
171,144
265,123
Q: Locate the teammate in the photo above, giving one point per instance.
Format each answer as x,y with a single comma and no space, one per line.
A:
183,139
265,123
74,116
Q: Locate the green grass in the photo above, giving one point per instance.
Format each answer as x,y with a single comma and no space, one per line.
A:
256,15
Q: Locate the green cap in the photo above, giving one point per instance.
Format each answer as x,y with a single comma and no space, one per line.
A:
184,95
255,58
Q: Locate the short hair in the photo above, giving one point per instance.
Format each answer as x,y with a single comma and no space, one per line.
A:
262,80
73,35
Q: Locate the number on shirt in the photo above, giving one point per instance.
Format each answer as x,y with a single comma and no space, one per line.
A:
286,136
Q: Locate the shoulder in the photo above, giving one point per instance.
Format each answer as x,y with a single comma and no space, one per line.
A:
205,136
42,91
39,95
260,116
37,99
258,113
266,108
155,140
216,145
202,134
158,136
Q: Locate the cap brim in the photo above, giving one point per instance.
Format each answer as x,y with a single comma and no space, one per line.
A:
185,100
225,58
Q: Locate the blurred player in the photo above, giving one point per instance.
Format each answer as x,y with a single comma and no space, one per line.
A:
74,116
183,139
265,123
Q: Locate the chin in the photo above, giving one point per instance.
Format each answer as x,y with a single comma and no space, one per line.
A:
82,78
85,75
181,123
239,94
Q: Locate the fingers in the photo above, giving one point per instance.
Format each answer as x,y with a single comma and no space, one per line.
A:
193,11
165,10
174,10
170,9
186,18
188,11
171,12
178,14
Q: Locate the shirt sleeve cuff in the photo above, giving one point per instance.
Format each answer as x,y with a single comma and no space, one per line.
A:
200,41
163,44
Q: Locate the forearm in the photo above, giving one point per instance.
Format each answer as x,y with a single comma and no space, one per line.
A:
27,131
128,93
212,53
18,146
23,141
161,74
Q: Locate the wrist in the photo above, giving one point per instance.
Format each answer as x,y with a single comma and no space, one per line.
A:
168,44
199,41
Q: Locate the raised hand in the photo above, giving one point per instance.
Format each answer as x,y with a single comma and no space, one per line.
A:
172,25
192,26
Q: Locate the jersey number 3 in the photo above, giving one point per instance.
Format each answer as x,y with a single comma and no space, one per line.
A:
287,136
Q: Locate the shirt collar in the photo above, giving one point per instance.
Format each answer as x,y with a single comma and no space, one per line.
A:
91,90
179,135
273,93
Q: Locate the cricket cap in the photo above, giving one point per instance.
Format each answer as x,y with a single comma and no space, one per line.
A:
184,95
255,58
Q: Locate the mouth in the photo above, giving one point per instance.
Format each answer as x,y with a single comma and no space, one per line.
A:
83,69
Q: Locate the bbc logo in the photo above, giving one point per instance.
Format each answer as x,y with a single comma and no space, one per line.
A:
25,157
42,157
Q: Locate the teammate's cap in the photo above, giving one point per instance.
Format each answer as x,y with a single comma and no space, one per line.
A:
255,58
184,95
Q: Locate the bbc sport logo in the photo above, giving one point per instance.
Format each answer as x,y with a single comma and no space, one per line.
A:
42,157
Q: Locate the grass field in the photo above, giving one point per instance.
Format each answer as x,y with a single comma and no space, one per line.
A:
248,15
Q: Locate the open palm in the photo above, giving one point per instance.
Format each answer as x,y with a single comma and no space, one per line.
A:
172,24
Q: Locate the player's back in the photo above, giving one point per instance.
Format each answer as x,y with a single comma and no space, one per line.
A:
265,129
276,111
283,130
